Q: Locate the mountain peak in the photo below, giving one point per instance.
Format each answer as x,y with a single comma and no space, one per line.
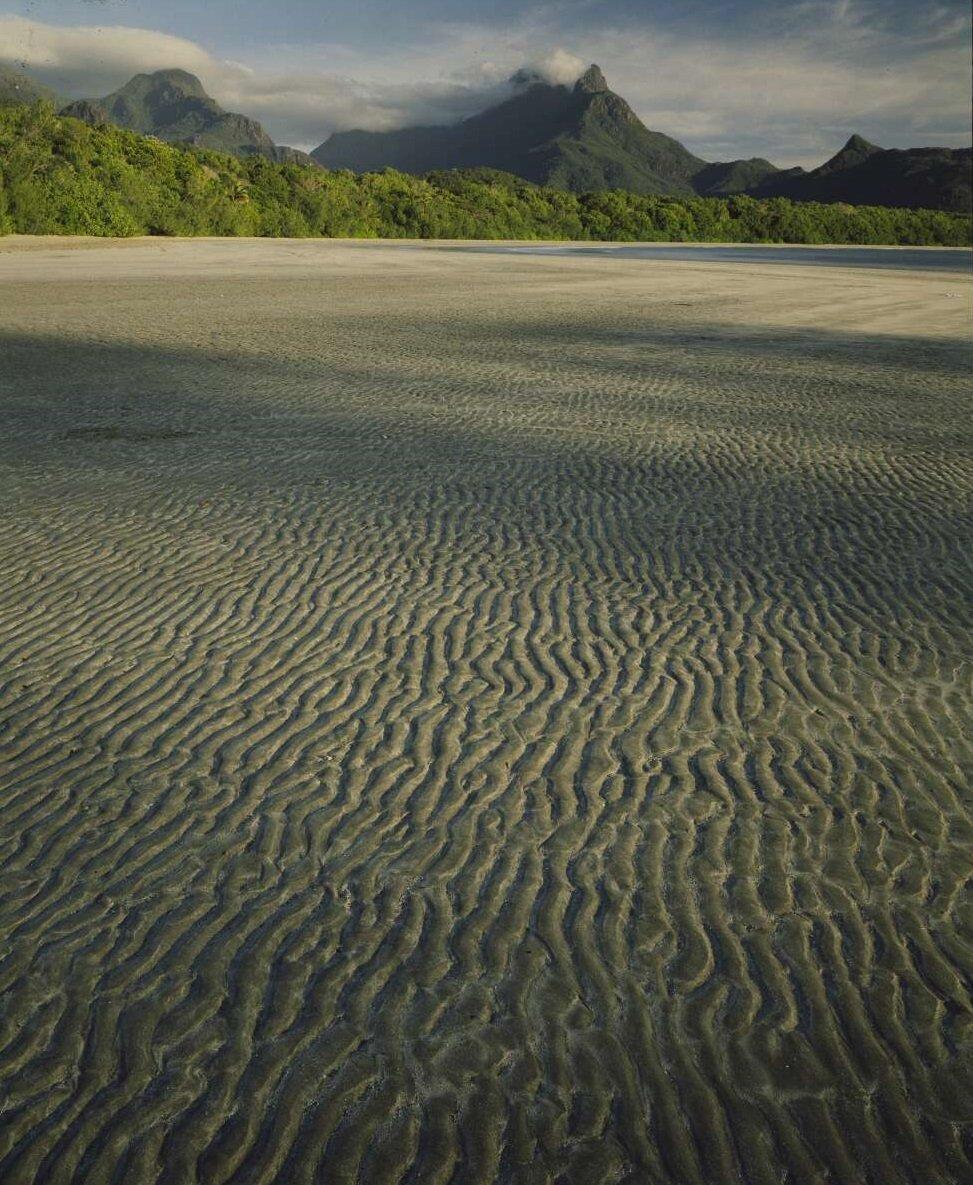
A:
178,80
858,143
855,152
581,137
526,77
592,81
173,105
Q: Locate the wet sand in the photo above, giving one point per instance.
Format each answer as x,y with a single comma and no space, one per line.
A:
946,259
475,718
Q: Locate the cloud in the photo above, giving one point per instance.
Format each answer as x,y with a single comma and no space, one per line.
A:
792,93
299,105
557,66
93,60
788,99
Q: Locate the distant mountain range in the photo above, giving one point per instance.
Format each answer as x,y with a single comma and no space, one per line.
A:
578,138
863,174
586,137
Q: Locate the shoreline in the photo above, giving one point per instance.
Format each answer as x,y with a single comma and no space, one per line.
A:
25,242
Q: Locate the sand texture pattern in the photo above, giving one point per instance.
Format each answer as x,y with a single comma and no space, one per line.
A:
475,718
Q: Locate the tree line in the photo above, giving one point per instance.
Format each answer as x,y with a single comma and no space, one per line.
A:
61,176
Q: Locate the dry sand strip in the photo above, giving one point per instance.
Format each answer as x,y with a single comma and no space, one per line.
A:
478,718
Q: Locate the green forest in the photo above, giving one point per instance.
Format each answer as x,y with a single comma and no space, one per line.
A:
61,176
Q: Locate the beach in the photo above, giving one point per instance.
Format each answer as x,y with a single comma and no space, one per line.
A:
475,717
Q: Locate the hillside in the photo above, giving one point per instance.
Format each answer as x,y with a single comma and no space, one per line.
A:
174,106
17,86
60,175
587,138
581,138
733,176
864,174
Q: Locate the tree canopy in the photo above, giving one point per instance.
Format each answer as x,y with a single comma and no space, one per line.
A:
59,175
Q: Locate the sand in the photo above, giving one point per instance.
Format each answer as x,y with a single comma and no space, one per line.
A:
472,718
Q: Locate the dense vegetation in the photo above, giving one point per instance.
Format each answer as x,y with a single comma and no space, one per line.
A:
61,176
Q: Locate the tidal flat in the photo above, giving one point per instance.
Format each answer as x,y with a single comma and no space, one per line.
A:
471,717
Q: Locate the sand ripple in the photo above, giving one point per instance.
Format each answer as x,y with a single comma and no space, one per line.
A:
454,733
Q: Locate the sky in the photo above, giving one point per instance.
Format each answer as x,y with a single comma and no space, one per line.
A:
790,81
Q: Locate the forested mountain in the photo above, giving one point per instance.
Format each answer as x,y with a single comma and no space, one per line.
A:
173,105
733,176
587,138
864,175
581,138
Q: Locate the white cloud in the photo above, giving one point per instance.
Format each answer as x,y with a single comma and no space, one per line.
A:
299,105
828,67
81,58
557,66
788,100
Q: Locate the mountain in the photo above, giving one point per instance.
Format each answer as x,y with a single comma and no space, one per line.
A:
172,105
586,137
578,138
16,87
855,152
862,174
733,176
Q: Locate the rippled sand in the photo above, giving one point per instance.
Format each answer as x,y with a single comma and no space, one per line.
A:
474,718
